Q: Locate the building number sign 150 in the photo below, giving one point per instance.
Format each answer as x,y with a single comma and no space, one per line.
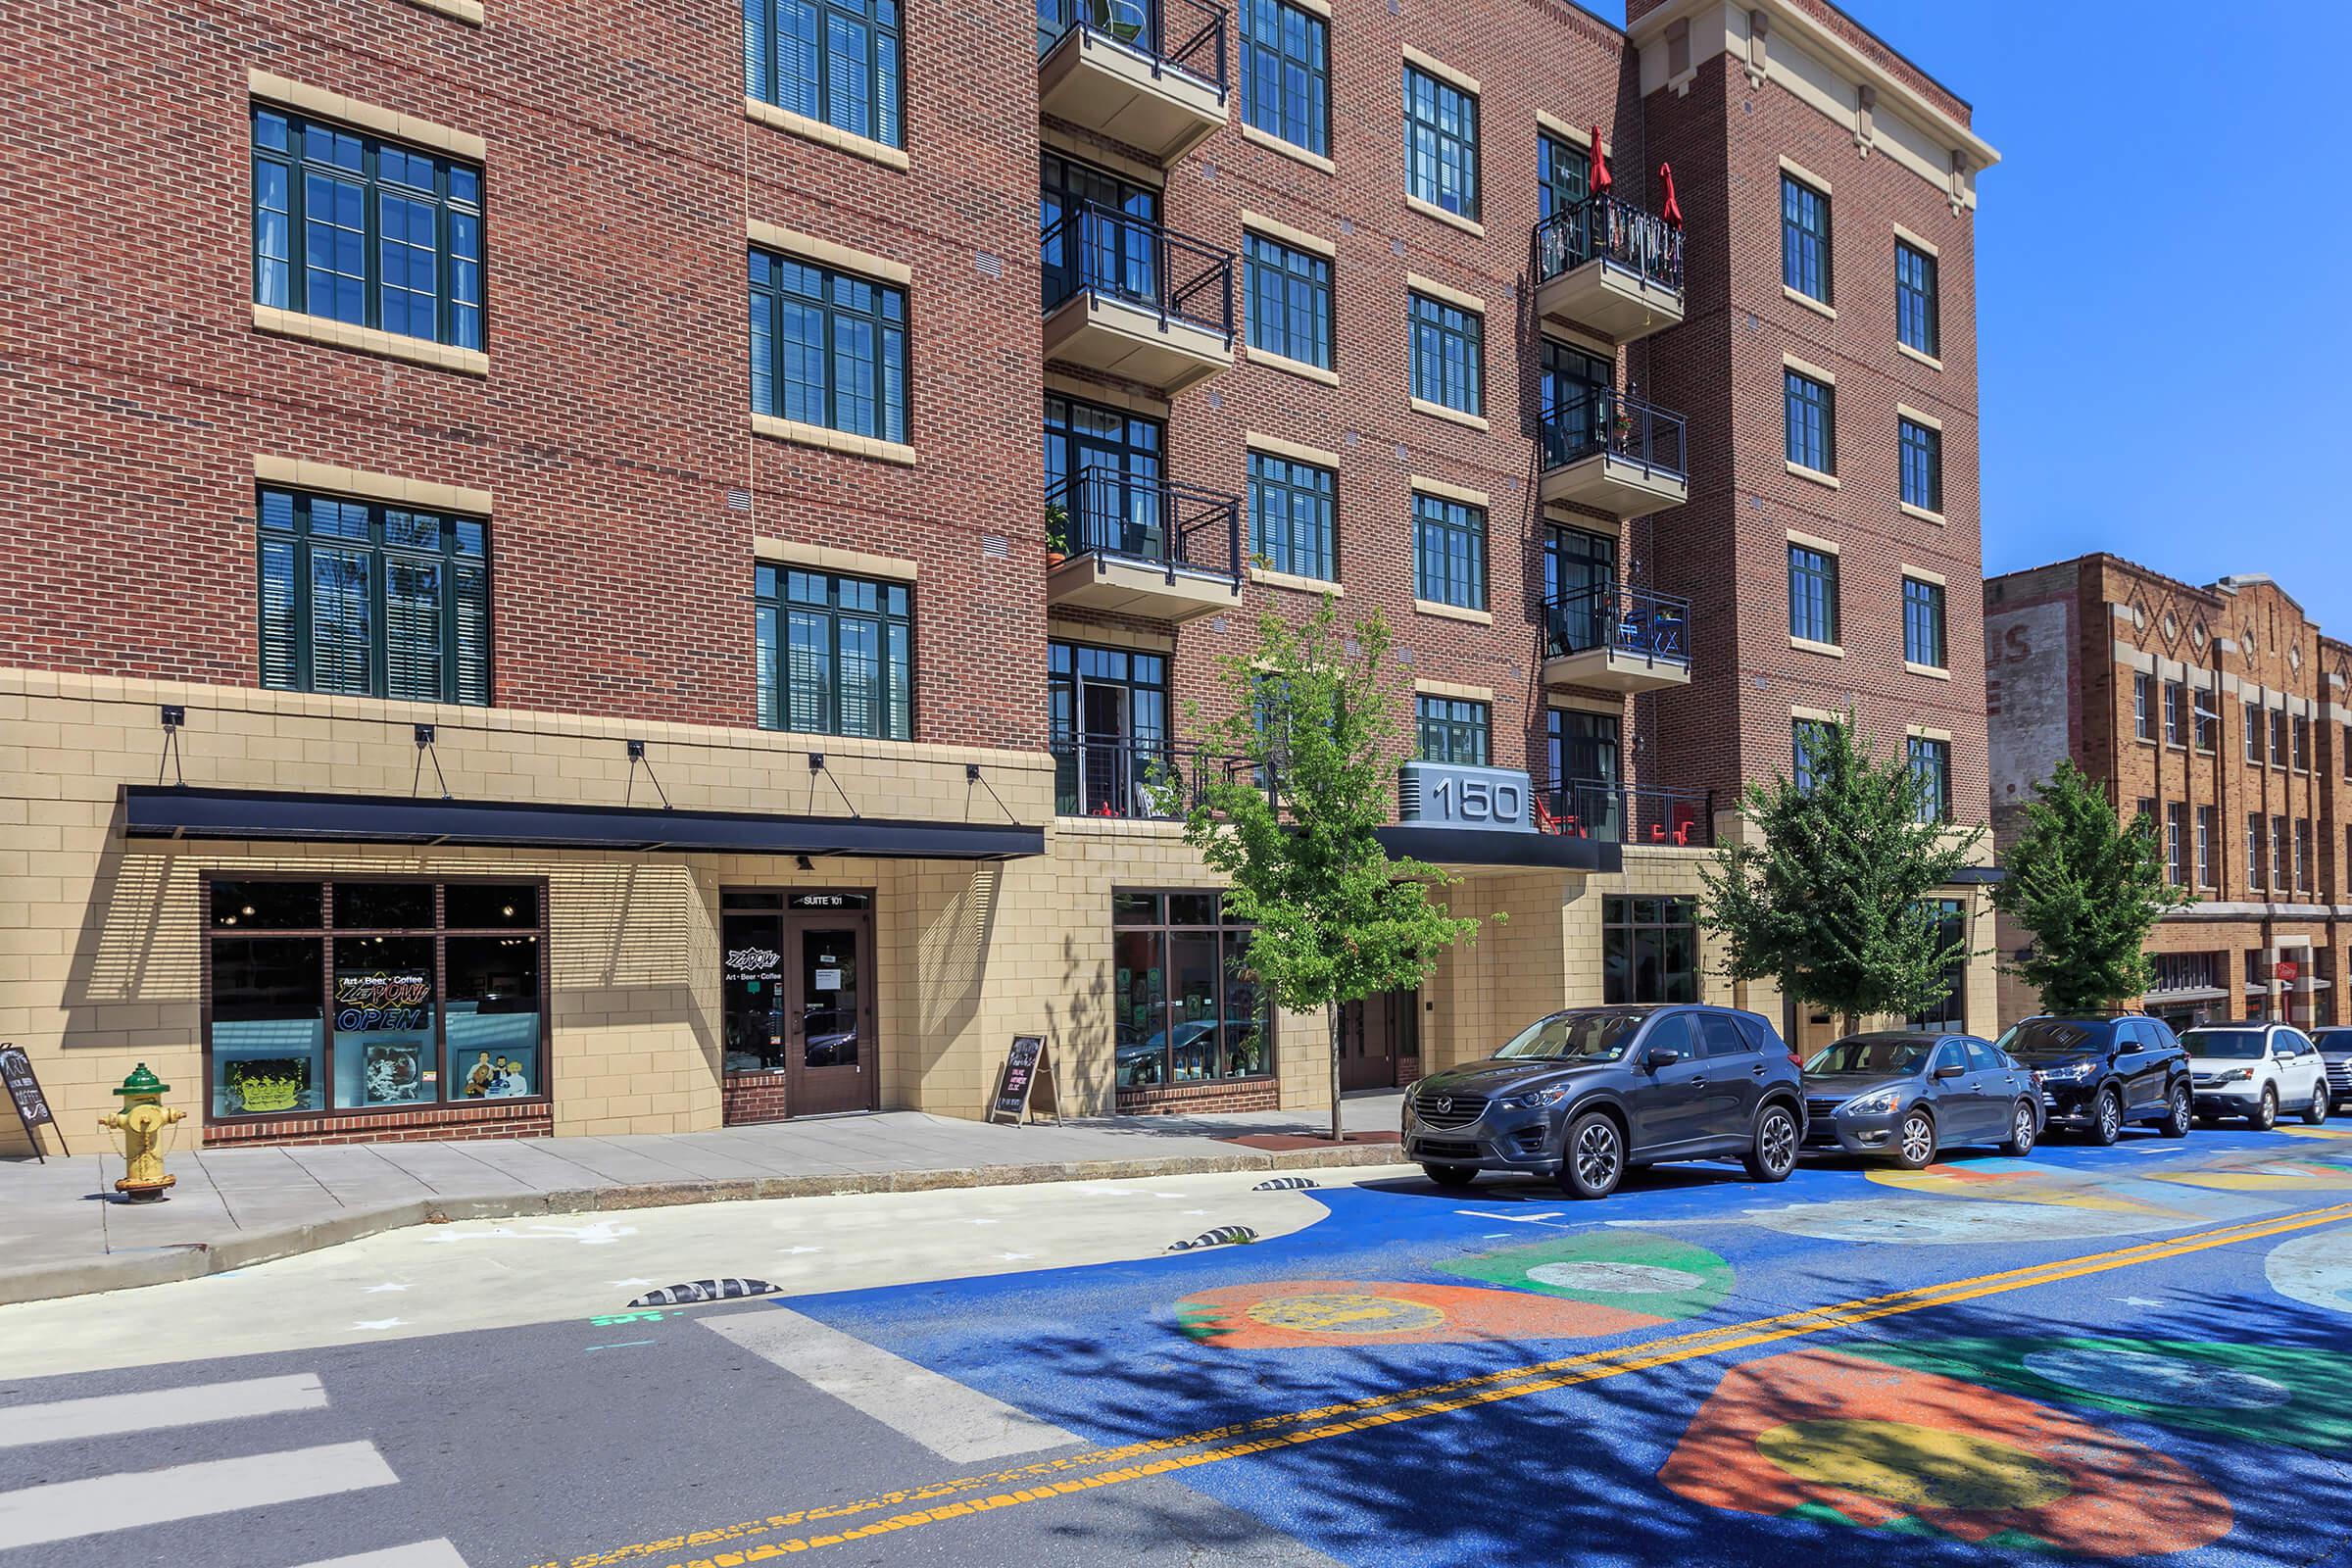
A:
1497,798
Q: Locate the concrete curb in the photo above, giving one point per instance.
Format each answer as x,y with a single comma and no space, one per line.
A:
164,1265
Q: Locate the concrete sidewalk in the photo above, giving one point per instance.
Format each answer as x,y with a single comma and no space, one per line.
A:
62,1233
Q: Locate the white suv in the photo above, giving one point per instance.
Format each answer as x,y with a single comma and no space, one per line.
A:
2256,1070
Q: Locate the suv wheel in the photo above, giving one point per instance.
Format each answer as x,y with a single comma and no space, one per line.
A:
2107,1118
1771,1153
2318,1113
2024,1125
1450,1175
1915,1140
1594,1161
2176,1116
2265,1113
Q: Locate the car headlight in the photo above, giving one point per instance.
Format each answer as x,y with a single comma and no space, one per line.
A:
2071,1073
2233,1075
1878,1105
1537,1099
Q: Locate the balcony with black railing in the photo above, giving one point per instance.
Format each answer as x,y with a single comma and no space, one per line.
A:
1613,451
1140,545
1607,267
1135,778
1626,814
1127,297
1616,639
1151,74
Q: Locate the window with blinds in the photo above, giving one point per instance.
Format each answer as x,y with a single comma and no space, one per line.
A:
373,600
836,655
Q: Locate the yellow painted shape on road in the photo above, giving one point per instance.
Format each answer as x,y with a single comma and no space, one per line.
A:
1053,1478
2041,1186
1916,1466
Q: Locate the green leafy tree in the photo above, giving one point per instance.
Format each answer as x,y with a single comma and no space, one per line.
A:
2090,889
1831,899
1293,781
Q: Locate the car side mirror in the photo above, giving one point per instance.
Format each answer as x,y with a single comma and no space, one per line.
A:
1950,1069
1660,1056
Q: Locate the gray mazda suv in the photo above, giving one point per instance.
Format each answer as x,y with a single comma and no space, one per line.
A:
1585,1095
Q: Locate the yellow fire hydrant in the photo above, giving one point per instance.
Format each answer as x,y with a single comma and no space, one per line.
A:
142,1122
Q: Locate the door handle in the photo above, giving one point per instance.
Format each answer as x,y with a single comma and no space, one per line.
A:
1757,1069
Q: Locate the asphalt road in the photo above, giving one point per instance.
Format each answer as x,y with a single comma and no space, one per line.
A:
2139,1353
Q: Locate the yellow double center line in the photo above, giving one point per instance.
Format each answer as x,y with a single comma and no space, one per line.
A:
1106,1467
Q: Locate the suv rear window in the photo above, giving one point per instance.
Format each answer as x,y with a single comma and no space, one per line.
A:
2230,1045
2052,1039
1722,1035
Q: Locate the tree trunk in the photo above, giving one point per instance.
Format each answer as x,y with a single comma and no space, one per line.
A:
1853,1022
1332,1008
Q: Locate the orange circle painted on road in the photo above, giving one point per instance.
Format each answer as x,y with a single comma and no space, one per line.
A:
1289,1314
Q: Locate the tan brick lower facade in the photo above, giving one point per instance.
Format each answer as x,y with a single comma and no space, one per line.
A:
103,935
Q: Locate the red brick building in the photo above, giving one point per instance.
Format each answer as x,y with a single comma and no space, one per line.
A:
790,465
2222,713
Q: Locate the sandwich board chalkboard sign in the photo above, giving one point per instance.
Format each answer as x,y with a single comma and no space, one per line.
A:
32,1107
1027,1083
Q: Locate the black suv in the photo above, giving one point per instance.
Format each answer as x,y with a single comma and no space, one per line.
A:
2100,1073
2335,1047
1584,1095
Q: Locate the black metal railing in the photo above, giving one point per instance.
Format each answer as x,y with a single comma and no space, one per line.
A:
1093,249
1129,777
1176,527
1633,622
1592,418
1602,228
1185,34
1627,813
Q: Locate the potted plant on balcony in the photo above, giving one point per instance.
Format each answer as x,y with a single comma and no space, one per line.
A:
1058,534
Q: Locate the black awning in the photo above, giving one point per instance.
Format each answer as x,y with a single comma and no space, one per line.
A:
165,812
1501,848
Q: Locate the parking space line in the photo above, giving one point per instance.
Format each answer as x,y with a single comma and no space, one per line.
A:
1041,1481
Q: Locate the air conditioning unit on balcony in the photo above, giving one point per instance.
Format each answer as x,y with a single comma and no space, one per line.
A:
1451,794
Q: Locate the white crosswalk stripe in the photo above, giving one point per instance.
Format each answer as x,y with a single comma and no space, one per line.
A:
64,1420
66,1510
423,1554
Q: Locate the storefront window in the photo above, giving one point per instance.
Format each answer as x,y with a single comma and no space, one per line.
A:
1649,950
1187,1009
374,996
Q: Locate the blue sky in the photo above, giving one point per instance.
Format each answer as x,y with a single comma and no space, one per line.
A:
2164,283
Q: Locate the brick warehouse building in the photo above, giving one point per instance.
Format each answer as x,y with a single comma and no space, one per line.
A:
536,605
2225,714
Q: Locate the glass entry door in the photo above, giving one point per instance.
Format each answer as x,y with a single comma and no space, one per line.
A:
796,1001
1373,1034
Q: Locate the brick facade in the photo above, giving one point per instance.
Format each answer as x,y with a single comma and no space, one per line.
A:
605,430
2072,647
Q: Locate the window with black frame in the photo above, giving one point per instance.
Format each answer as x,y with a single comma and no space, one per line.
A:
1104,492
1580,583
1453,729
373,995
1812,594
1932,771
1448,354
836,61
1450,552
836,654
372,600
1287,299
1809,739
1804,239
1185,1007
1810,407
1917,324
1108,724
1286,74
1440,143
1291,524
1573,391
358,230
828,348
1922,453
1097,231
1649,950
1948,1014
1923,623
1583,752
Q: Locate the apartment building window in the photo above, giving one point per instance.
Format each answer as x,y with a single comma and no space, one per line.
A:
1286,74
1807,739
1916,317
2253,731
1923,465
1288,301
2253,851
2209,720
2281,853
2143,707
1812,414
1452,730
2303,854
1812,594
1563,175
2147,814
373,600
2209,826
836,654
1448,354
1931,770
388,237
2175,844
1923,623
831,61
2176,713
2302,734
2277,737
1649,950
828,348
1440,143
1450,552
2187,971
1804,239
1291,516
